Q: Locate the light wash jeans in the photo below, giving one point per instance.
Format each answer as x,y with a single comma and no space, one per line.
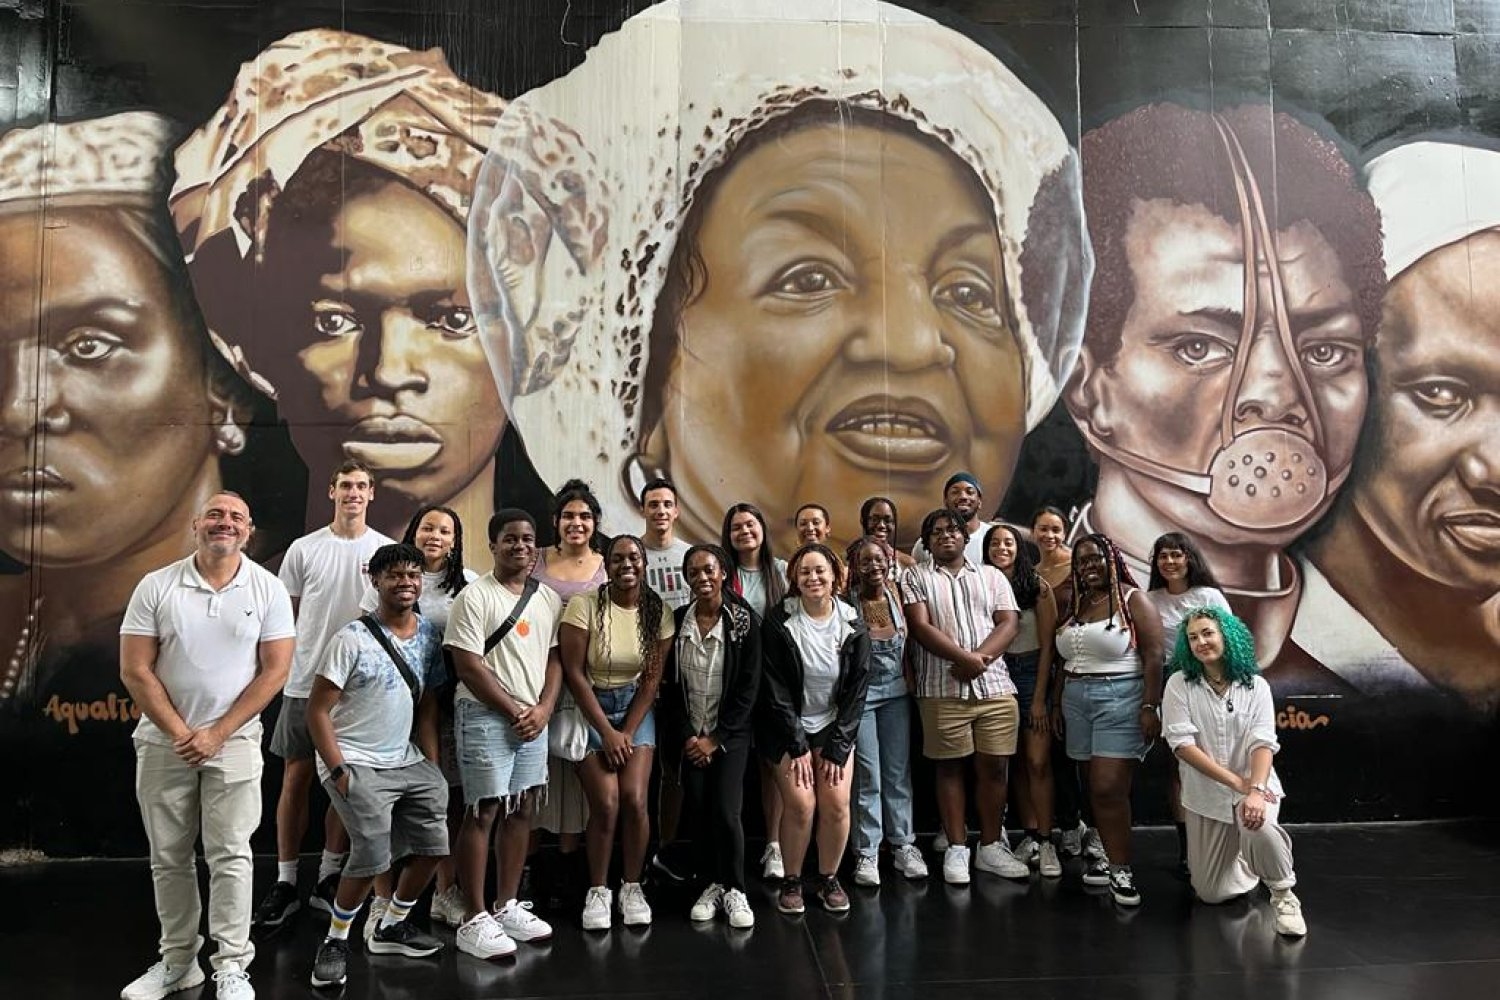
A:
882,755
220,800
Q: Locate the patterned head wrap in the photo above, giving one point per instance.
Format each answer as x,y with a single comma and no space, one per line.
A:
666,99
1431,194
120,158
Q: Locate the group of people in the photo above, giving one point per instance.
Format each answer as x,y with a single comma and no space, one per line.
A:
449,715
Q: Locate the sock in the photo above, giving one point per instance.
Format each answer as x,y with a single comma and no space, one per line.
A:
398,911
286,871
1181,841
331,864
338,924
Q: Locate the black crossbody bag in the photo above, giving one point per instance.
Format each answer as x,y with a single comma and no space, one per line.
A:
407,674
515,615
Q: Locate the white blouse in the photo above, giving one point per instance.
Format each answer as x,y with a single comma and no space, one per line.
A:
1228,729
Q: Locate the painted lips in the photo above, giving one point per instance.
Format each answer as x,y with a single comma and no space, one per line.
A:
884,430
390,443
1477,531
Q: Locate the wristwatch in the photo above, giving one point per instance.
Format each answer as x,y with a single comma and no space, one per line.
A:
335,773
1149,707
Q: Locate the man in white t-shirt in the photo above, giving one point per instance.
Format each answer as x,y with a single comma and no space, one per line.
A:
326,574
204,647
963,495
510,675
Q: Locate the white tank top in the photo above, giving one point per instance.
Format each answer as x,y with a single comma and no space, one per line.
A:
1095,648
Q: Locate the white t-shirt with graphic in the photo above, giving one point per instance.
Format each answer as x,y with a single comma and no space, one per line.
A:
664,573
519,661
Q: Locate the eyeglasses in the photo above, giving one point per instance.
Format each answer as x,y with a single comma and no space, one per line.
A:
951,529
1090,561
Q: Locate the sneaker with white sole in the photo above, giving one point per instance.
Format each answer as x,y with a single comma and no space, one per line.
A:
737,909
772,866
1097,872
1122,886
233,983
1047,861
484,938
997,860
867,869
373,916
1288,909
1093,847
597,909
634,910
163,980
517,920
448,907
1028,851
331,965
956,866
907,859
403,938
708,904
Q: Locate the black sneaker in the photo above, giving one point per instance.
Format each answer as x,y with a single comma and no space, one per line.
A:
331,967
1097,872
281,902
403,939
323,893
1122,887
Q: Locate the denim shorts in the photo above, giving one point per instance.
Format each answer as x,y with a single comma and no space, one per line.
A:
616,702
493,762
1023,670
1102,717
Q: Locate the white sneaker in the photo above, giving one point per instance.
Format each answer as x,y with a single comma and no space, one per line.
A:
956,866
772,867
374,915
1028,851
483,938
448,907
997,860
737,909
1093,847
163,980
634,910
708,903
1048,863
1288,913
940,842
867,869
597,909
233,983
908,861
517,920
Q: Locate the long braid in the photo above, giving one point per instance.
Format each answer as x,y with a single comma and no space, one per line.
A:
601,621
648,617
1120,578
453,568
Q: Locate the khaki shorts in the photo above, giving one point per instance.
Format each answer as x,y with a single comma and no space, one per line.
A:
959,727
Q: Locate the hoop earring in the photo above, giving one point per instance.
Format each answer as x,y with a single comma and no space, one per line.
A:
635,474
229,437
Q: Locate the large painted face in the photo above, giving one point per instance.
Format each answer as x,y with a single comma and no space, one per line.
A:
104,410
1433,493
1181,341
851,331
380,358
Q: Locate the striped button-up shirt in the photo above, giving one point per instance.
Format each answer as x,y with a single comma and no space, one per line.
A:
962,606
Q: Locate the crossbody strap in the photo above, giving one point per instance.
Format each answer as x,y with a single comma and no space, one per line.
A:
515,615
369,622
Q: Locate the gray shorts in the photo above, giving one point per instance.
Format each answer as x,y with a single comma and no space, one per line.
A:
391,813
291,740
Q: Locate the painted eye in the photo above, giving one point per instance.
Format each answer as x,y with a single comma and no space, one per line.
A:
335,323
971,297
91,346
1326,355
1441,397
1198,351
455,322
807,279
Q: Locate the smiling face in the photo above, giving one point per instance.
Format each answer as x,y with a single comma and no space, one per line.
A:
1002,550
1205,640
377,356
964,498
1432,493
223,527
1092,567
853,329
398,587
814,577
105,418
660,508
745,533
1049,531
872,567
435,535
351,494
626,565
705,576
812,525
514,548
1172,563
575,524
880,522
1180,341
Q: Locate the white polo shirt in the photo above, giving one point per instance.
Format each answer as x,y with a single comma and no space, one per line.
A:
208,640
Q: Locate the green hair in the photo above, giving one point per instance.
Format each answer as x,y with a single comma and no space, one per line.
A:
1239,647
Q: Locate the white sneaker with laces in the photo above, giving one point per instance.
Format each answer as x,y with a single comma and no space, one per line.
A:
1288,909
448,907
1048,863
597,909
517,920
483,938
956,866
233,983
708,903
737,909
908,860
634,910
772,867
163,980
375,914
997,860
867,869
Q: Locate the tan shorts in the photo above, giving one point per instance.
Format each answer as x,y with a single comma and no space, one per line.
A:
959,727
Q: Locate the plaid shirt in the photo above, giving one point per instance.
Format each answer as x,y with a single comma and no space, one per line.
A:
962,606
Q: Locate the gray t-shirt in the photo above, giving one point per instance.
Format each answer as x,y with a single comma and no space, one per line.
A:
372,719
664,573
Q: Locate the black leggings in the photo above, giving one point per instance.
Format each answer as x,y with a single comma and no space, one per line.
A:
711,804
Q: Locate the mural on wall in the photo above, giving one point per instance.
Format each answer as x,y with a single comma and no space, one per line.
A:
779,252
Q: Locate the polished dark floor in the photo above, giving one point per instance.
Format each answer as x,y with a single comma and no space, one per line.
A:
1394,911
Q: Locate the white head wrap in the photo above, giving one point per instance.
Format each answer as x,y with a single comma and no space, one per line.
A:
1431,194
656,107
125,155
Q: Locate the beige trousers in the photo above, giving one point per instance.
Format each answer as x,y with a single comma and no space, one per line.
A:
220,800
1227,860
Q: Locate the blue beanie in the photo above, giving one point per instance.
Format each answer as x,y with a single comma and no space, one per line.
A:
963,477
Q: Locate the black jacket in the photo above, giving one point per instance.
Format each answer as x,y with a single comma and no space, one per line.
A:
742,669
778,729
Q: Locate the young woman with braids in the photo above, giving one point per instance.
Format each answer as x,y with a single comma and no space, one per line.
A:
1220,722
878,519
1029,659
1111,697
614,641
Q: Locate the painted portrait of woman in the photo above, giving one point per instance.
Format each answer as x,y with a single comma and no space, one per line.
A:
823,269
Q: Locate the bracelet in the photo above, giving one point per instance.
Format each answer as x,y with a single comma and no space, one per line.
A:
1147,707
1264,791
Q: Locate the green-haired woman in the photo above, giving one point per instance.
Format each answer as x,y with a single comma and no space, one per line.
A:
1218,718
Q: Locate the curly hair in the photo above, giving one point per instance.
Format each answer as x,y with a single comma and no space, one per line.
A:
649,611
577,489
1239,647
392,555
1120,577
1023,577
930,522
1198,573
812,548
453,569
